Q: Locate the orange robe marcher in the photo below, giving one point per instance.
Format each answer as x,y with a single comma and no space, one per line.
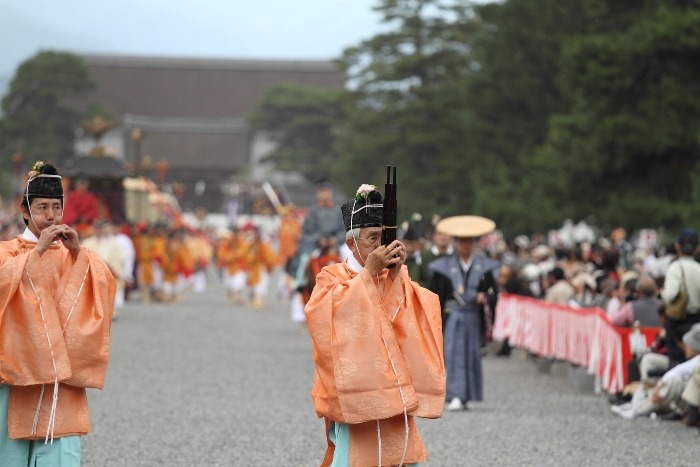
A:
55,320
143,246
259,258
289,235
231,252
374,357
159,247
185,261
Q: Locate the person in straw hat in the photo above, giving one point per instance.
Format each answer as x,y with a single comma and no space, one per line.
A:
56,305
377,347
461,282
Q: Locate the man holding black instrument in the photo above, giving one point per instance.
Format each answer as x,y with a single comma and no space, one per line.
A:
377,345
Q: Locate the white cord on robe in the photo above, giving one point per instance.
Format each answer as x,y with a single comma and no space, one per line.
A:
54,402
405,414
38,409
379,443
77,296
52,415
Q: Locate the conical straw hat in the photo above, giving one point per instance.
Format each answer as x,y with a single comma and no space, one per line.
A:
466,226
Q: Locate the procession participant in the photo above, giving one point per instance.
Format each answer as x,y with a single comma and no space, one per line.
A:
122,233
462,281
201,247
81,205
105,245
159,248
413,242
260,261
231,259
377,347
56,305
441,245
143,245
322,229
183,262
289,234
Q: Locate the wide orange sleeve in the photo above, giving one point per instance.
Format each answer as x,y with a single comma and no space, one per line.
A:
31,337
87,324
55,310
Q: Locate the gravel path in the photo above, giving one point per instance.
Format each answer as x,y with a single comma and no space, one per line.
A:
204,383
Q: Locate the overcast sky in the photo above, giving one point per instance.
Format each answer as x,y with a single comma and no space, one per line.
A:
266,29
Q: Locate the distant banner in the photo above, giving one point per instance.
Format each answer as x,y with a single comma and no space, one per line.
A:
582,336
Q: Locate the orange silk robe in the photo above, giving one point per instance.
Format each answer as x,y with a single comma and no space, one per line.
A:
377,348
289,235
201,249
75,316
159,248
258,257
184,260
231,254
143,246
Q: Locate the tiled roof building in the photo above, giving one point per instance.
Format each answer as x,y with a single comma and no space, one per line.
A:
190,114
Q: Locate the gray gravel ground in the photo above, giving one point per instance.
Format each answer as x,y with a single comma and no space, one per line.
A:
204,383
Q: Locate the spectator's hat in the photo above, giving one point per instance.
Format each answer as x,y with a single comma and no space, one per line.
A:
466,226
366,209
531,272
44,182
692,337
687,240
541,252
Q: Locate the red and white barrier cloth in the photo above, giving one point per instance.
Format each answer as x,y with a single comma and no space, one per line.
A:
582,336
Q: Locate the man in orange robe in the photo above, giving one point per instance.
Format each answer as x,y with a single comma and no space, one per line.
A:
260,260
56,305
231,258
377,345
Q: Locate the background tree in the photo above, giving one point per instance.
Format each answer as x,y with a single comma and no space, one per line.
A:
304,122
512,96
527,111
627,145
407,105
36,120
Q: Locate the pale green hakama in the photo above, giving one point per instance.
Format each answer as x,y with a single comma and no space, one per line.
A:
339,434
63,452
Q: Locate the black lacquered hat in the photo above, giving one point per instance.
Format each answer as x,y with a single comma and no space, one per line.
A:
365,210
44,181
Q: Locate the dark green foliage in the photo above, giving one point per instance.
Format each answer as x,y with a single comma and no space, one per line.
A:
36,120
528,111
304,122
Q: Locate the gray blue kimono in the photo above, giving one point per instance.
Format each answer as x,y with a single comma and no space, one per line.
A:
462,331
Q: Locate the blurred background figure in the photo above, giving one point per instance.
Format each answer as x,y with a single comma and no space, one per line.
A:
288,236
105,244
260,261
231,259
323,230
127,246
440,245
81,206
